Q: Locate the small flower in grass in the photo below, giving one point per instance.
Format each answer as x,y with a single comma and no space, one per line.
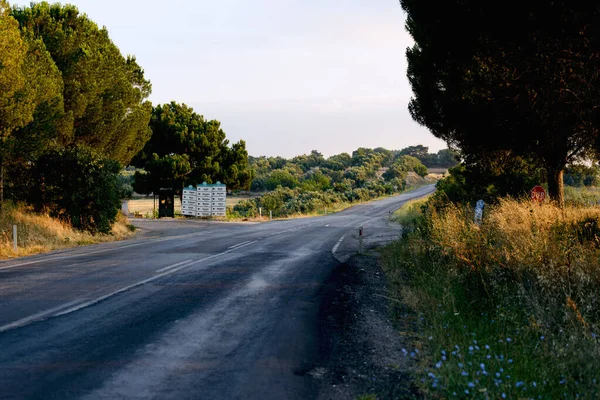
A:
443,352
470,348
476,347
488,356
431,375
464,373
457,348
510,360
498,374
482,366
417,351
534,384
460,365
474,341
412,354
438,365
519,384
453,353
443,358
404,352
508,339
487,347
471,384
563,382
503,395
466,391
542,337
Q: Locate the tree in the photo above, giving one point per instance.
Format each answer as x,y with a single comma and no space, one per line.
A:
186,149
104,93
531,90
79,187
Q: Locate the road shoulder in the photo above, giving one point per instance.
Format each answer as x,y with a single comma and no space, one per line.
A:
361,349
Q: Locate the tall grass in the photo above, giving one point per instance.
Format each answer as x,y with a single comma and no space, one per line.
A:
510,309
38,233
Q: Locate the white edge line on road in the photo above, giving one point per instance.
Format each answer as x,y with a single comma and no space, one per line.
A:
173,266
338,244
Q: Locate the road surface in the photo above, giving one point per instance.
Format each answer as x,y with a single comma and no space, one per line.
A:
193,310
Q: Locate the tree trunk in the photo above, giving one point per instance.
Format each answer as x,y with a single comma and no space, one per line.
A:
556,186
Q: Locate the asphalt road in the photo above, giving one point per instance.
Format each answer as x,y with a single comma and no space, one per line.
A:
188,310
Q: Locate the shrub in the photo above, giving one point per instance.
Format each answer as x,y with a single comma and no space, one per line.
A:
77,186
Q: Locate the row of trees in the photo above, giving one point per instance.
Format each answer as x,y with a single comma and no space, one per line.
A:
73,110
525,96
341,172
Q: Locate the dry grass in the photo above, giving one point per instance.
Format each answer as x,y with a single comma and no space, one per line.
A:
41,233
510,308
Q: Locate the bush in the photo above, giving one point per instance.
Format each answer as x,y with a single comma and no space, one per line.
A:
77,186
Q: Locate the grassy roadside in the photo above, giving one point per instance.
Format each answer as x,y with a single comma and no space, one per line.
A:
510,309
40,233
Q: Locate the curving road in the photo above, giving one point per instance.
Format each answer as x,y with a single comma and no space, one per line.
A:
188,310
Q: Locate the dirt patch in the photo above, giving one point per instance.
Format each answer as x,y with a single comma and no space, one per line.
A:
363,352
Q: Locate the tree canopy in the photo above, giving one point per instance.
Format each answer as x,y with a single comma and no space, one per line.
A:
531,90
187,149
104,92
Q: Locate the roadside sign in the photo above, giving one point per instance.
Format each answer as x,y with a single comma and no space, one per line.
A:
538,194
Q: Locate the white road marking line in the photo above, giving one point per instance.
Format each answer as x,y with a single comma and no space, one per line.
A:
31,318
173,266
243,245
64,257
337,245
77,307
327,226
239,244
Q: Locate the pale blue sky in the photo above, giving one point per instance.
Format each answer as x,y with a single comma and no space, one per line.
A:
287,76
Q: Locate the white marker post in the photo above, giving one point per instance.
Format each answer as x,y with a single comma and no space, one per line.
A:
15,238
479,212
360,240
270,215
260,211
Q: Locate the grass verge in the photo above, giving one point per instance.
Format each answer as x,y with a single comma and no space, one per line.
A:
510,309
40,233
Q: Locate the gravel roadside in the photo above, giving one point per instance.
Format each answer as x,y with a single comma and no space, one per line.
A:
362,350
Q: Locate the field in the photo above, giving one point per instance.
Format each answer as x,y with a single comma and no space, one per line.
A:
508,309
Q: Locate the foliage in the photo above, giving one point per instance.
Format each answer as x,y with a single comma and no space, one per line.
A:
489,180
78,187
104,93
186,149
38,233
508,309
530,91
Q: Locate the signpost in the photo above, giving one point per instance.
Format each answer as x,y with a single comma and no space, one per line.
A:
538,194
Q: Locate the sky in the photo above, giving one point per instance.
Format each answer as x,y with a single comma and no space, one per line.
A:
286,76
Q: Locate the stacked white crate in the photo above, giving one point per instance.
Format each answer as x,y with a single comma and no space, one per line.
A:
204,203
188,202
219,193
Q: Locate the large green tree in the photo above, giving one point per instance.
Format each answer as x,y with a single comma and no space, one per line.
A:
104,93
187,149
530,90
